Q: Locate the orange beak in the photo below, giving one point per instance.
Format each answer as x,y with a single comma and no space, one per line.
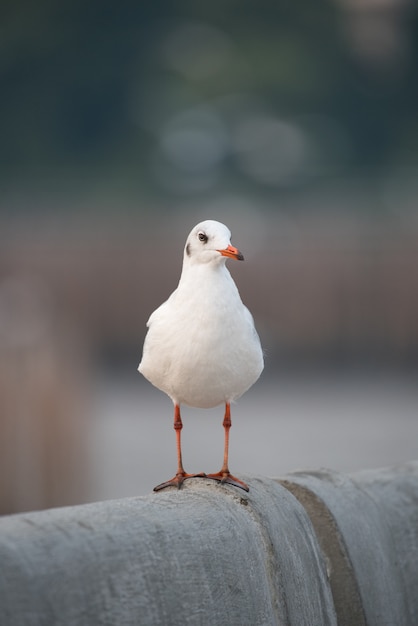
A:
232,252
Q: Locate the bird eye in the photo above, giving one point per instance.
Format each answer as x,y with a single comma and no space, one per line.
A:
202,237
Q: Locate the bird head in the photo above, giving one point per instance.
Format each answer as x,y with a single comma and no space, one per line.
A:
210,242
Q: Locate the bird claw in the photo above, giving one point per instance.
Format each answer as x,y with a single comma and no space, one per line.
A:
227,478
178,480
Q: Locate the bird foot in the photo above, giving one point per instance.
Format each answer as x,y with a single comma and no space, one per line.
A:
227,478
178,480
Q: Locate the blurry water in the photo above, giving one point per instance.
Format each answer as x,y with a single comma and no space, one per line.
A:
282,424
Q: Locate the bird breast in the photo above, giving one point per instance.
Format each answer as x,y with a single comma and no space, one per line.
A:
202,350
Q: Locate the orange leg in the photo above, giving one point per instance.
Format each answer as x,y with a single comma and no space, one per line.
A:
225,476
181,475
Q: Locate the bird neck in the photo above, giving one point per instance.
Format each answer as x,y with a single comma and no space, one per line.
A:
204,274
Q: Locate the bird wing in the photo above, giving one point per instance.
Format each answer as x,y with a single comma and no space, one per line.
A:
158,313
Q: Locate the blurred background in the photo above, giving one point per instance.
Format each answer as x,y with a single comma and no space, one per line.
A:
124,124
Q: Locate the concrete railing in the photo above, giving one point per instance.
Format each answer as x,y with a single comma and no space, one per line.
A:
314,549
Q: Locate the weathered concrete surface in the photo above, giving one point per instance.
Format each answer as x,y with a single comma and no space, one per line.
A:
311,549
207,554
367,525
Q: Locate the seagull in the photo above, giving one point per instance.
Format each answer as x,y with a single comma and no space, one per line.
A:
201,347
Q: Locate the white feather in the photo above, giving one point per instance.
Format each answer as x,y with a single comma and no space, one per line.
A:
201,348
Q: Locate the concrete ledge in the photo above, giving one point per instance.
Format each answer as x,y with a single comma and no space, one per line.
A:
367,526
314,549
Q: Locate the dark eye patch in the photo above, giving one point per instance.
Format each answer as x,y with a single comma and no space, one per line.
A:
202,237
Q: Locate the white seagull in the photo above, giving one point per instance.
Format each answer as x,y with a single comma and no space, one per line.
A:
201,347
